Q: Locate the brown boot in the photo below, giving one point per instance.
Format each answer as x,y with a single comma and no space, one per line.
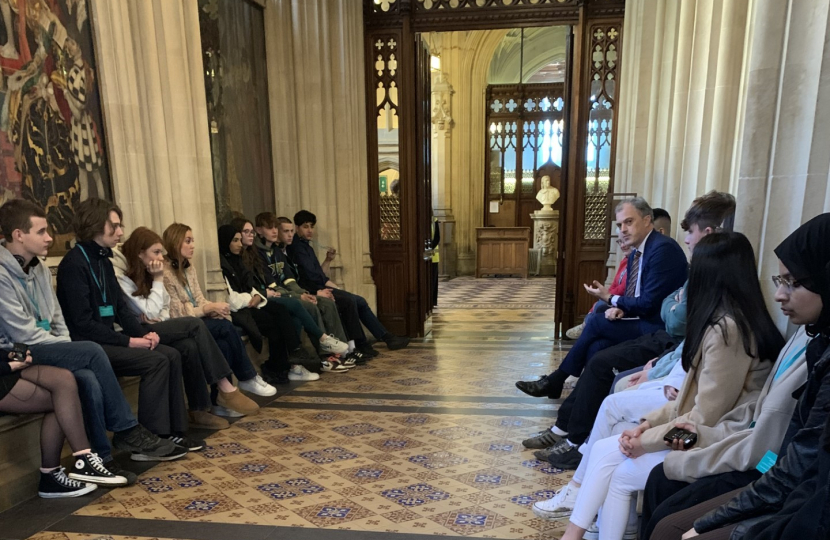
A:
203,419
237,401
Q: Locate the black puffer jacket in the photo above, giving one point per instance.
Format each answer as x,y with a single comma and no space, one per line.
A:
761,505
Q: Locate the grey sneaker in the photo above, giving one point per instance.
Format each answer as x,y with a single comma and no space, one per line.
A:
559,448
543,439
139,440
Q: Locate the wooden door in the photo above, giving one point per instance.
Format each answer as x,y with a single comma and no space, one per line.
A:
422,251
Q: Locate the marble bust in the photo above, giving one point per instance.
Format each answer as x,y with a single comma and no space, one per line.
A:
547,195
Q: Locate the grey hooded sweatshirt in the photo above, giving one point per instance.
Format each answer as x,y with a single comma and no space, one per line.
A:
25,296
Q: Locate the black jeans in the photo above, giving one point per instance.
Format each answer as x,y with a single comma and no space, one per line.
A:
578,412
202,359
664,497
274,322
161,407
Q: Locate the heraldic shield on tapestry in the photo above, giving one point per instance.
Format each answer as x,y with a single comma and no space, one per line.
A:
52,148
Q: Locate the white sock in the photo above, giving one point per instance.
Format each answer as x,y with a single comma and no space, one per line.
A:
557,431
47,470
351,346
572,445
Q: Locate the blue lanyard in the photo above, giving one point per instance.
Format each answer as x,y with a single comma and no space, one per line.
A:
95,277
189,292
32,296
785,365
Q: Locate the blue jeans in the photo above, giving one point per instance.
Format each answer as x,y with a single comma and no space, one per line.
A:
104,405
232,347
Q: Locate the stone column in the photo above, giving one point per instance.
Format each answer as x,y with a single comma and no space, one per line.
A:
318,126
442,127
153,95
785,165
680,104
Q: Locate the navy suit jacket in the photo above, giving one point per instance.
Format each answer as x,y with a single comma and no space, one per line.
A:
663,270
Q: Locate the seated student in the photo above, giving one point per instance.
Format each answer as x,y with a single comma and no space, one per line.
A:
765,508
617,287
93,303
304,313
252,311
187,300
656,267
662,222
618,412
28,389
577,413
263,282
314,276
277,276
30,314
730,340
139,266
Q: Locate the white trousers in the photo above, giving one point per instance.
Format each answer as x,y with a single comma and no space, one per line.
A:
609,479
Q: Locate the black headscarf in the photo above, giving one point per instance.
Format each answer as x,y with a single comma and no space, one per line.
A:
238,275
806,254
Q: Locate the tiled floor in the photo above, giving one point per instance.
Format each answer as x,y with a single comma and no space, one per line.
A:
424,441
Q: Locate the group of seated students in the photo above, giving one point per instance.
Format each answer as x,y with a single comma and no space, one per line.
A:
722,424
136,309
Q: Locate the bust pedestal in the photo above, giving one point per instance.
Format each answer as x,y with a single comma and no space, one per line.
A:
546,238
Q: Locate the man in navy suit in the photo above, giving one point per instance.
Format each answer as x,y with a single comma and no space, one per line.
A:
657,267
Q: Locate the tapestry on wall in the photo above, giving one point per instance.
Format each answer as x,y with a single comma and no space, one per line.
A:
52,147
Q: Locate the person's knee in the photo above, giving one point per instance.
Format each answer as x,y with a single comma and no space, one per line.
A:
627,475
88,386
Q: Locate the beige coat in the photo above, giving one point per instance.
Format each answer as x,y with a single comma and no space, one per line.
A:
746,433
722,377
180,305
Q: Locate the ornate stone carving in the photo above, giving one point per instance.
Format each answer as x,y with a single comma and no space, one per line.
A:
546,234
442,92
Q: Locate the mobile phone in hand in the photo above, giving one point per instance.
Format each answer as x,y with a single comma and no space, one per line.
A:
686,437
19,352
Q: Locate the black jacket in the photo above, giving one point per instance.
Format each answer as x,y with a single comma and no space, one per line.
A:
80,298
763,504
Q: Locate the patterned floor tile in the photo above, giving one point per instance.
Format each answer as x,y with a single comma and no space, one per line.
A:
423,471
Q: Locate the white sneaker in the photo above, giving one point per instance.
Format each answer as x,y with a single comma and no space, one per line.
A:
332,345
300,373
593,533
219,410
258,386
561,505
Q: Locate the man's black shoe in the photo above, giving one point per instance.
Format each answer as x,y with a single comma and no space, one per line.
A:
568,460
396,342
538,388
115,468
367,350
543,439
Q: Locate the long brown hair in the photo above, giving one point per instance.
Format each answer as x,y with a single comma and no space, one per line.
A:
250,257
173,238
139,241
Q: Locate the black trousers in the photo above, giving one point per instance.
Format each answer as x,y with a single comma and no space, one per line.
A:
161,407
579,410
349,316
274,322
664,497
202,360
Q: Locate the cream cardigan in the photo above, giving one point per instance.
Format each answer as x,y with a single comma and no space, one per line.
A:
746,433
722,377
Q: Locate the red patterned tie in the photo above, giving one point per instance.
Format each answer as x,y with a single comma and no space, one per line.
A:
633,272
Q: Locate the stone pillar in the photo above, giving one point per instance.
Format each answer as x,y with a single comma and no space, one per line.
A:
784,167
442,127
546,239
153,96
680,107
318,126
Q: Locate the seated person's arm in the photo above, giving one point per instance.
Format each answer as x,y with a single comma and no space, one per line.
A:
23,325
72,286
673,312
128,320
662,280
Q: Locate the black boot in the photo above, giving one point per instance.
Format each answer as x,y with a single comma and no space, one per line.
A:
395,342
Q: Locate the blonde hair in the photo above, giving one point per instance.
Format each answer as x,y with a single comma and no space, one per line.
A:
173,238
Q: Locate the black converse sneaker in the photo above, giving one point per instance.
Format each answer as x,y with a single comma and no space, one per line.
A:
90,468
56,485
